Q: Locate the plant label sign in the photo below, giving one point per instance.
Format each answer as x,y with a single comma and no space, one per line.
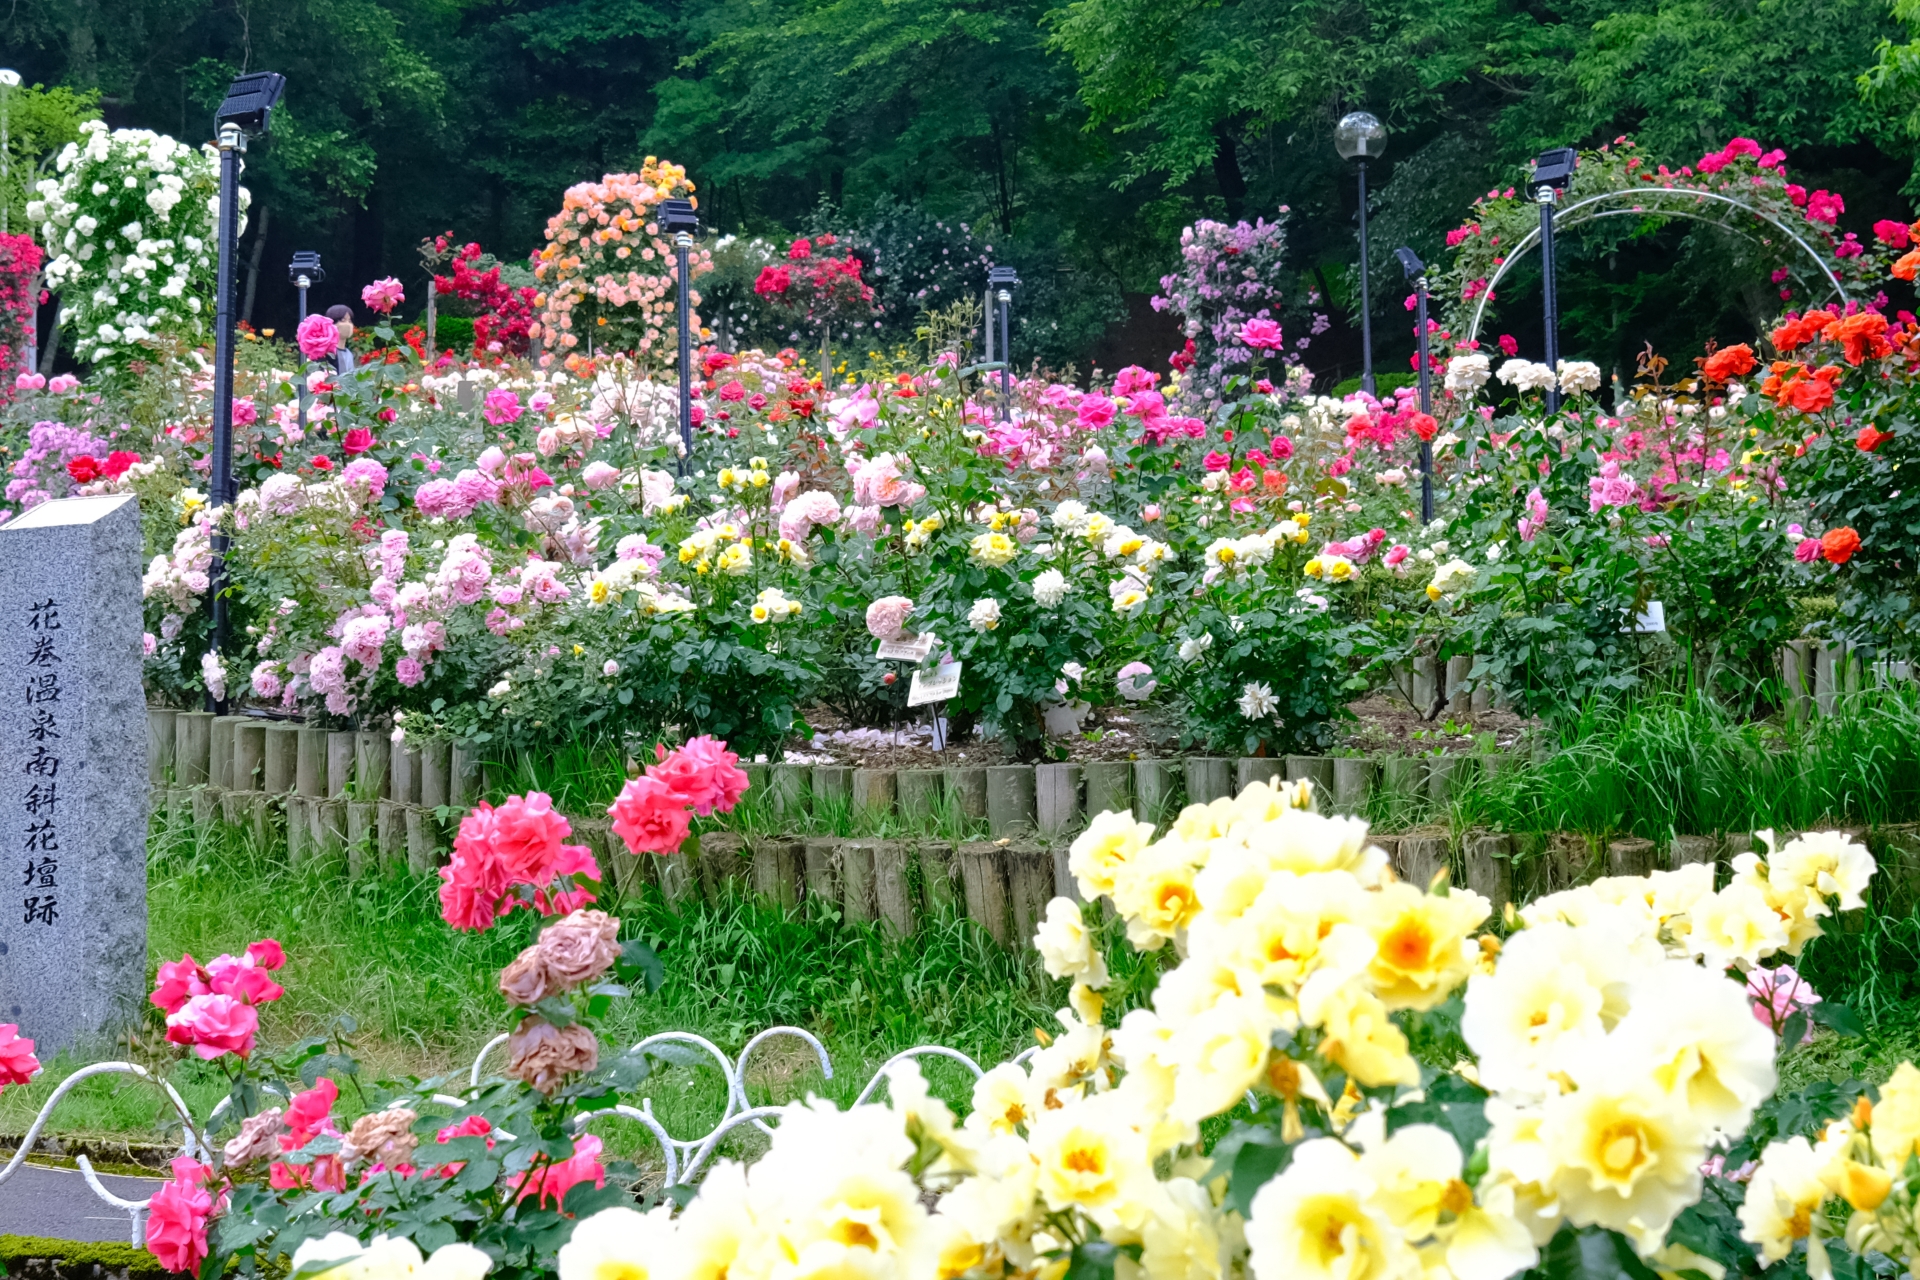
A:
1653,620
73,772
943,684
907,648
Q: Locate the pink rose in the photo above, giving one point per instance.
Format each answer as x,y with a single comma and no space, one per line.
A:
598,475
17,1063
1807,551
703,771
502,407
579,948
317,336
543,1055
177,982
215,1025
555,1180
177,1217
887,617
1095,412
1261,335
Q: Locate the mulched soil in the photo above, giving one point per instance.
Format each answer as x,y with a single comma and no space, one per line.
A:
1383,725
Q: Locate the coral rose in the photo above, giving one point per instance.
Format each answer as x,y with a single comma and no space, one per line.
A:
544,1055
555,1180
1870,439
650,816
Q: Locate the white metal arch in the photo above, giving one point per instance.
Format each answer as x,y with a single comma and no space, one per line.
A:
1564,218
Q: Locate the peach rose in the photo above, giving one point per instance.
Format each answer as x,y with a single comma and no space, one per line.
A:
526,981
385,1137
544,1055
578,949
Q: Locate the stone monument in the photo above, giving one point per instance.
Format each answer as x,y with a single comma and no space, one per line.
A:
73,773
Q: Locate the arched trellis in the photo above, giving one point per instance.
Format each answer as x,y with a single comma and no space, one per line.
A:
1566,218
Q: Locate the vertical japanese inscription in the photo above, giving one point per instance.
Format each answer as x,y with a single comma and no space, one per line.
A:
38,841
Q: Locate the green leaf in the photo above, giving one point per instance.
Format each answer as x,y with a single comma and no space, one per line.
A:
1841,1019
637,956
558,1010
1591,1254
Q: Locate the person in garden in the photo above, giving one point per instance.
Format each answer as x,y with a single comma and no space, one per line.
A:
342,317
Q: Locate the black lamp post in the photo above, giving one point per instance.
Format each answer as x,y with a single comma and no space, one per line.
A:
1361,137
678,219
1416,272
250,99
1552,173
304,272
1000,282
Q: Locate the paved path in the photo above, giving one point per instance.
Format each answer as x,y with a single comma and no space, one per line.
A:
42,1201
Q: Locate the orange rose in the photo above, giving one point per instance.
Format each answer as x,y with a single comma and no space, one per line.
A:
1838,545
1729,362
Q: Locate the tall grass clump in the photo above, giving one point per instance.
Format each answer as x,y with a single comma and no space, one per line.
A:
1680,763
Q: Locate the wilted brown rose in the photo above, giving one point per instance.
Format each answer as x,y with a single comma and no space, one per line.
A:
544,1055
580,948
256,1139
385,1137
526,981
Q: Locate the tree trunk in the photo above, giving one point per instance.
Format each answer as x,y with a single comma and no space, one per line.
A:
253,264
1226,172
53,341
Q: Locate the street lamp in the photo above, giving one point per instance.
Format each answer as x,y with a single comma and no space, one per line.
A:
250,99
678,218
304,272
1361,137
1416,272
1552,173
1000,283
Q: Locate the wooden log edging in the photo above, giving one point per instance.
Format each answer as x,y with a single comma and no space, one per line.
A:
353,803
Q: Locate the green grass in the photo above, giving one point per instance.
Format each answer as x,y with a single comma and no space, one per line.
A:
423,994
1681,764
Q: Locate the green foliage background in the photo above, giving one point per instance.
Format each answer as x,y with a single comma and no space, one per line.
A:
1074,137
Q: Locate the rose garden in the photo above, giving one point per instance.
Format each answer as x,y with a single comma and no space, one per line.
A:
909,807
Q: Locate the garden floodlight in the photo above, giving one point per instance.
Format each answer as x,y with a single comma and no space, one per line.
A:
306,263
250,98
1552,173
1361,137
1000,284
678,215
1416,271
1553,170
678,219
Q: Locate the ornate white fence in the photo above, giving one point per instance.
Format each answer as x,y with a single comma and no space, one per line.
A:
684,1157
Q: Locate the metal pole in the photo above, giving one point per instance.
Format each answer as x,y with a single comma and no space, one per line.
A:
302,284
682,242
1426,401
1366,307
232,142
1550,300
1005,299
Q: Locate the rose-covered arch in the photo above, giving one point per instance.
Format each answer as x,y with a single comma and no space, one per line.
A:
1740,189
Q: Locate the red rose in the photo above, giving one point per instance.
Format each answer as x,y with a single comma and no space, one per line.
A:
84,469
1870,439
118,461
321,462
